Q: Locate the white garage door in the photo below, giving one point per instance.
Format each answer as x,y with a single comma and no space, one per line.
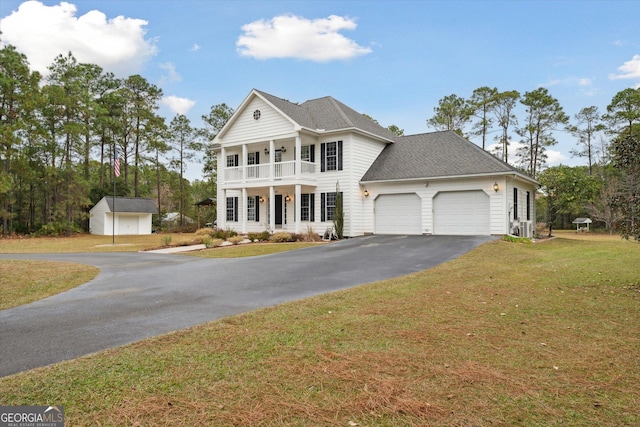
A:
127,224
398,214
461,213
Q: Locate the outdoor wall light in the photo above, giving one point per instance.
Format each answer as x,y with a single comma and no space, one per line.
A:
287,199
261,199
366,193
283,150
496,187
266,151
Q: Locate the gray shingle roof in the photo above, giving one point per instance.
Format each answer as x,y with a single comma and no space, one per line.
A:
327,114
433,155
132,204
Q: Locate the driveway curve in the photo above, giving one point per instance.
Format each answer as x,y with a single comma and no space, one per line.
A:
139,295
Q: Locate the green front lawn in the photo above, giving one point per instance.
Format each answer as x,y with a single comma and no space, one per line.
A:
508,334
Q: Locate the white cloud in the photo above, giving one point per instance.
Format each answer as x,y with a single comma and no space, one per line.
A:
554,157
290,36
585,82
629,70
195,47
178,105
43,32
171,75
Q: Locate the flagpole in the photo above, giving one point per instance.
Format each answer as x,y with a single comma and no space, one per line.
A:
116,174
113,210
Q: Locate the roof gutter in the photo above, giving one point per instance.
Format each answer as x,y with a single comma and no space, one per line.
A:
452,177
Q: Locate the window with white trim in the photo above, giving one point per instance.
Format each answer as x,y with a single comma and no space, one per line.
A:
232,209
331,156
305,155
251,208
307,207
232,160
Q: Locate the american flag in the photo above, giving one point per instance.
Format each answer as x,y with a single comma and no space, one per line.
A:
116,163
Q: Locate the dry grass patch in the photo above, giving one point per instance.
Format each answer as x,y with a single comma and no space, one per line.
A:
508,334
252,249
23,281
88,243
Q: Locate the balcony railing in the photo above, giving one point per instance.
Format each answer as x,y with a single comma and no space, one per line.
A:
268,171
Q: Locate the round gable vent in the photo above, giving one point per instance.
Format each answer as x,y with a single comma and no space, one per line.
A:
256,114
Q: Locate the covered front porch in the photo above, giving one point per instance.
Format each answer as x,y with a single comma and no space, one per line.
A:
274,208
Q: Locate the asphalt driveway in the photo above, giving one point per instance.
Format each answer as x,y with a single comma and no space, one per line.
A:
139,295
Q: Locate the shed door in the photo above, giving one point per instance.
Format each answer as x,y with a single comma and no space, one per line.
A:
127,224
463,213
398,214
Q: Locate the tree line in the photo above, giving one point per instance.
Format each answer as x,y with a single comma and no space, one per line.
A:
59,135
607,188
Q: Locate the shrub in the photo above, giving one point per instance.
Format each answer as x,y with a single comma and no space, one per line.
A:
205,232
281,237
210,242
224,234
235,239
264,236
253,236
515,239
166,240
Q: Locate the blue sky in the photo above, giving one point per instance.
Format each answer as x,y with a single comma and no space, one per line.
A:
393,60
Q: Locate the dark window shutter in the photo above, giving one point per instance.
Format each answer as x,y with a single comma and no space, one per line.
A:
323,202
257,208
235,206
312,199
312,153
323,147
257,157
235,160
339,155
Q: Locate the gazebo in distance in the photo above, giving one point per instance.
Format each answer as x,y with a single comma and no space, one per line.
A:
582,224
206,202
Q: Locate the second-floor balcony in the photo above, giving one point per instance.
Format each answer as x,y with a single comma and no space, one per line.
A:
269,171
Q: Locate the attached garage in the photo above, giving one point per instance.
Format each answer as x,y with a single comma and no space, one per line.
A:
464,213
398,214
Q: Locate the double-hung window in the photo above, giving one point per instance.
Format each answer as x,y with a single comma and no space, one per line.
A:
307,207
232,209
253,208
232,160
328,206
331,156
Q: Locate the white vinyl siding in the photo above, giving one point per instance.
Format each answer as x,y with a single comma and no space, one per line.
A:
398,214
245,127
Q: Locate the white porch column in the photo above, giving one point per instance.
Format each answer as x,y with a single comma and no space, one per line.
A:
244,163
222,163
272,155
297,202
222,216
298,158
272,206
243,204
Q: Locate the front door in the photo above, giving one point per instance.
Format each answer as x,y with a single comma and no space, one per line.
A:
279,209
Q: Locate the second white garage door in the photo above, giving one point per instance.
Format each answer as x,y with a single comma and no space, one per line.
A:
461,213
398,214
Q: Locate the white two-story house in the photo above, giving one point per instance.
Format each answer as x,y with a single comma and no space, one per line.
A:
281,164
